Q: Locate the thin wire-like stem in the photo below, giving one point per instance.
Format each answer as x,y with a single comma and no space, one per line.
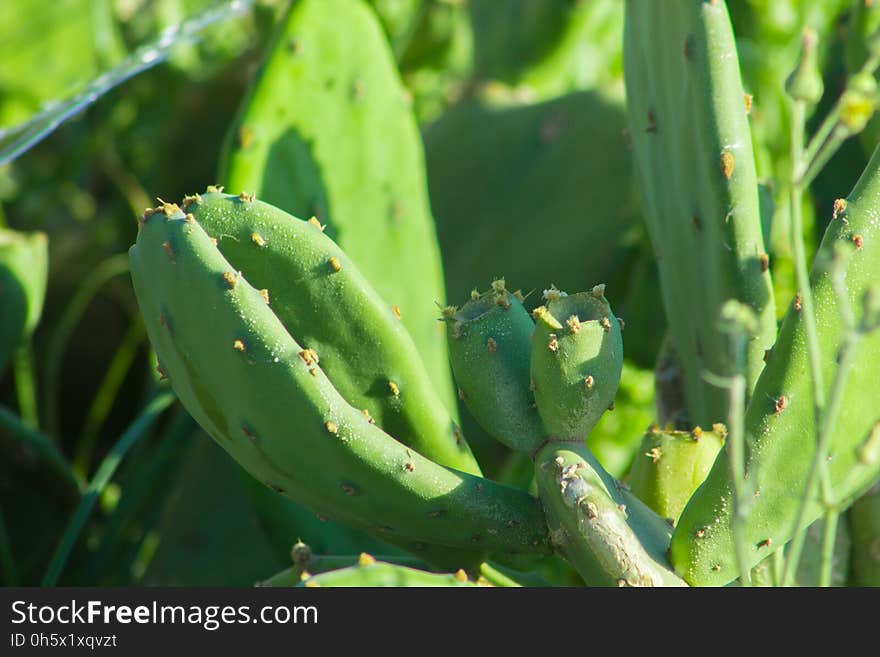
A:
25,384
829,535
735,444
97,485
107,391
86,291
828,137
7,558
820,457
809,325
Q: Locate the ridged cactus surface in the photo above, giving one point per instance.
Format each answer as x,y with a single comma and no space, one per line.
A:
689,127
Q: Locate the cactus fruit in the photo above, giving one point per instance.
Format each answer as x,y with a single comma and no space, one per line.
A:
489,347
670,466
864,520
326,131
696,168
343,323
24,266
779,420
607,534
577,357
246,380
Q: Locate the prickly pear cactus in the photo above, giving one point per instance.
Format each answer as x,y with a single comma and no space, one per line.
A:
780,420
327,132
689,128
247,381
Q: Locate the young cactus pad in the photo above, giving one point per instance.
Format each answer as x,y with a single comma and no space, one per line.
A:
699,189
489,347
264,399
779,421
322,298
577,357
670,465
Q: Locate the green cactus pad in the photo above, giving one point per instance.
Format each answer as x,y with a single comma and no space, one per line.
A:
322,298
809,569
24,266
264,398
670,466
327,131
489,346
605,532
577,357
690,132
779,420
373,573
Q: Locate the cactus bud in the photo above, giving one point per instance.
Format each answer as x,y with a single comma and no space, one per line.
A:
588,347
805,82
489,345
